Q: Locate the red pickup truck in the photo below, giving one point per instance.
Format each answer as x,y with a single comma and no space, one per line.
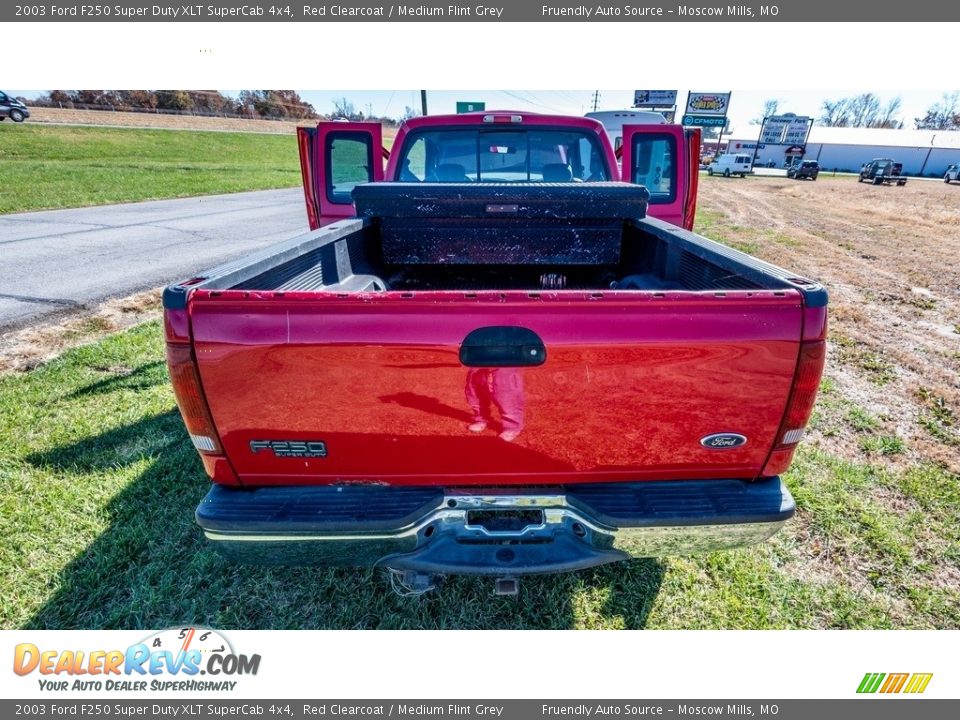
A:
495,353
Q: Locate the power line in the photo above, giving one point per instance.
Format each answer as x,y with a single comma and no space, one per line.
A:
533,94
529,101
389,100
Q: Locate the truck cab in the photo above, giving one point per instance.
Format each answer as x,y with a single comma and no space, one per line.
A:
499,147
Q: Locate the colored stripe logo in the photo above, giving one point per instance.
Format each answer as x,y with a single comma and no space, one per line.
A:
913,683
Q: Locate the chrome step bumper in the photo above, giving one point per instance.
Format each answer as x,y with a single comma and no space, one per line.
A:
488,532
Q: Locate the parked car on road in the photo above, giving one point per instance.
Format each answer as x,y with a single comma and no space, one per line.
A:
882,171
731,164
952,174
12,108
498,354
803,170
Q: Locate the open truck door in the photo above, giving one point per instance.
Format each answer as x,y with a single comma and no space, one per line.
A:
666,159
335,157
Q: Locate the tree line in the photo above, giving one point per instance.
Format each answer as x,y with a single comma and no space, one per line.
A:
869,110
265,104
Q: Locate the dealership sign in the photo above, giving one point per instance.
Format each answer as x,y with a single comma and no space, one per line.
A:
785,130
654,98
704,121
707,103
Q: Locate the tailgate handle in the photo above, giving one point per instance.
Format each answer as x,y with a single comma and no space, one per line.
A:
502,346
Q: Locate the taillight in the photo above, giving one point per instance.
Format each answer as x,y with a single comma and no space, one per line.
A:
803,395
190,400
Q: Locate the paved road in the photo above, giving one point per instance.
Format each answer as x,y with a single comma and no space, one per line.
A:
59,260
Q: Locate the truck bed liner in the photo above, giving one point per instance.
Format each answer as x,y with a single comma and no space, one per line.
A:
471,253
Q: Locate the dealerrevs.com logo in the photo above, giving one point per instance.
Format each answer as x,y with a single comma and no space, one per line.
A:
891,683
172,659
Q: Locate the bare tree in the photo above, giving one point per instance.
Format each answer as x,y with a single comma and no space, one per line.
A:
866,110
409,112
888,118
942,115
770,107
343,109
835,113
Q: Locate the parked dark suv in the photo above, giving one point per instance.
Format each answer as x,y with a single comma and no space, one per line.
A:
12,108
806,169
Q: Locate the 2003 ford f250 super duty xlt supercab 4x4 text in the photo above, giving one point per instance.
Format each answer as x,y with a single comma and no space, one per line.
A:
500,354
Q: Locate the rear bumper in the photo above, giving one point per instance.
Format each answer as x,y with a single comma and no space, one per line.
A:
452,531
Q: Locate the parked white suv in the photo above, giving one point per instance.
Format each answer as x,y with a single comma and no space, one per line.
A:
731,164
953,173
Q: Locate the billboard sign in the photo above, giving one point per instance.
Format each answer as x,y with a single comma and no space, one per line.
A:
785,130
797,130
704,121
654,98
699,103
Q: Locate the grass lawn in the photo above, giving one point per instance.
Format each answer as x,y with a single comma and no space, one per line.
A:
98,484
53,166
61,166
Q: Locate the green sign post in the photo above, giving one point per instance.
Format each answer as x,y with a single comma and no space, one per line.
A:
465,107
704,120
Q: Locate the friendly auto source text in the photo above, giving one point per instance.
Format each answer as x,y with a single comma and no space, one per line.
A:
628,10
333,10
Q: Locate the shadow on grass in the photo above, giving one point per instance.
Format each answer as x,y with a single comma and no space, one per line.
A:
150,568
141,377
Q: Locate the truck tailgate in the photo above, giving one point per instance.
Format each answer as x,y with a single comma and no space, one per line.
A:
319,388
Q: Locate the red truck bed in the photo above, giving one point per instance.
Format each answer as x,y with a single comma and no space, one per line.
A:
359,396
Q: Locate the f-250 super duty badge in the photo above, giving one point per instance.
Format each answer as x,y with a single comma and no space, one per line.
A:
291,448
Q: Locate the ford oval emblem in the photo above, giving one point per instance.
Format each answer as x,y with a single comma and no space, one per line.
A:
723,441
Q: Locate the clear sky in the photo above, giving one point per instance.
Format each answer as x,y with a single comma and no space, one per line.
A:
744,104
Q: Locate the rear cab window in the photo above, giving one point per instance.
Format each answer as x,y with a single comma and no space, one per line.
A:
350,164
654,165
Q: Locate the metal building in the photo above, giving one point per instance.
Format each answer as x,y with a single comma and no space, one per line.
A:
922,152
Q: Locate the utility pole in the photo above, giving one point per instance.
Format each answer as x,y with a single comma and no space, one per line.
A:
423,101
756,148
596,100
723,127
